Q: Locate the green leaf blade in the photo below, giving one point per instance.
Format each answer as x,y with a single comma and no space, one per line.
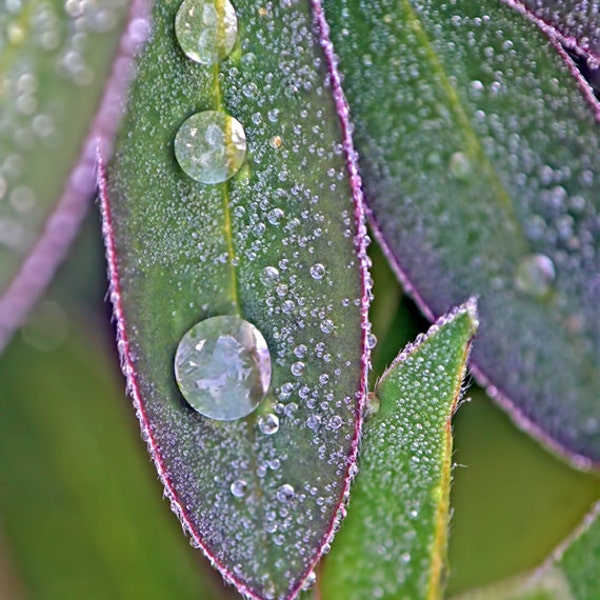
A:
181,251
393,542
492,160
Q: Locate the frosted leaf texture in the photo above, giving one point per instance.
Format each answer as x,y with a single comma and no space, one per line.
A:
56,57
276,245
393,543
577,20
494,157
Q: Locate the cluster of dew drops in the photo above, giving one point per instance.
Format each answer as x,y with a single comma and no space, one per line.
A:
222,364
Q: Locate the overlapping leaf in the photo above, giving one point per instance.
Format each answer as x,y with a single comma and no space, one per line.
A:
481,162
281,244
55,59
393,543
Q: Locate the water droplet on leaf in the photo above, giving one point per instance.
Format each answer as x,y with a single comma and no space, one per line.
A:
535,275
239,488
317,271
210,146
268,424
206,29
285,493
223,367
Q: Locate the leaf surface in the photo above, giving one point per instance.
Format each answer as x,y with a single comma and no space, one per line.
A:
282,245
480,159
393,543
56,59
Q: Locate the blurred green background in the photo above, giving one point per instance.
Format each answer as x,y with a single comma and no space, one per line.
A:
81,515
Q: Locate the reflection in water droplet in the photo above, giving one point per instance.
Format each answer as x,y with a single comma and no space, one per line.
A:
239,488
223,367
285,493
317,271
535,275
268,424
210,146
206,29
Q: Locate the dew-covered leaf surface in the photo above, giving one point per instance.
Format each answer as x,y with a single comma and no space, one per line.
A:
275,245
481,163
80,510
577,22
393,542
55,58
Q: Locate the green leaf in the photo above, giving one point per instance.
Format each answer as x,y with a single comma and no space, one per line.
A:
80,509
393,543
282,245
570,574
55,60
481,162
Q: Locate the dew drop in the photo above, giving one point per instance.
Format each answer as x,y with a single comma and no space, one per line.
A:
317,271
239,488
269,276
223,367
535,275
335,422
210,146
285,493
268,424
206,29
460,166
297,368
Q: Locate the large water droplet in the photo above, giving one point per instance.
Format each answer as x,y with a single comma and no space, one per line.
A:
210,146
206,29
535,275
223,367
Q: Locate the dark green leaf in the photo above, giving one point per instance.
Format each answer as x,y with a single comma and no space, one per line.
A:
182,251
481,162
393,543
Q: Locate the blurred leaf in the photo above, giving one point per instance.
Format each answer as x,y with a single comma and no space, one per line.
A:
393,543
78,503
571,574
55,60
481,162
505,488
275,245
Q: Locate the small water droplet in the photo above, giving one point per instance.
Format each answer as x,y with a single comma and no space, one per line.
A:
327,326
206,29
210,146
268,424
275,142
460,166
317,271
223,367
535,275
313,422
297,368
239,488
269,276
335,422
285,493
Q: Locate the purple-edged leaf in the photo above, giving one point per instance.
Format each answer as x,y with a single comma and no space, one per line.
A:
57,72
481,163
282,245
393,543
575,22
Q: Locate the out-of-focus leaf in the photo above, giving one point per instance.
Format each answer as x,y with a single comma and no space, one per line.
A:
571,574
506,488
481,163
80,511
56,69
393,543
281,244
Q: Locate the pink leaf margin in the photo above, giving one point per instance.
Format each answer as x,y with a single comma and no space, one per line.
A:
62,225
